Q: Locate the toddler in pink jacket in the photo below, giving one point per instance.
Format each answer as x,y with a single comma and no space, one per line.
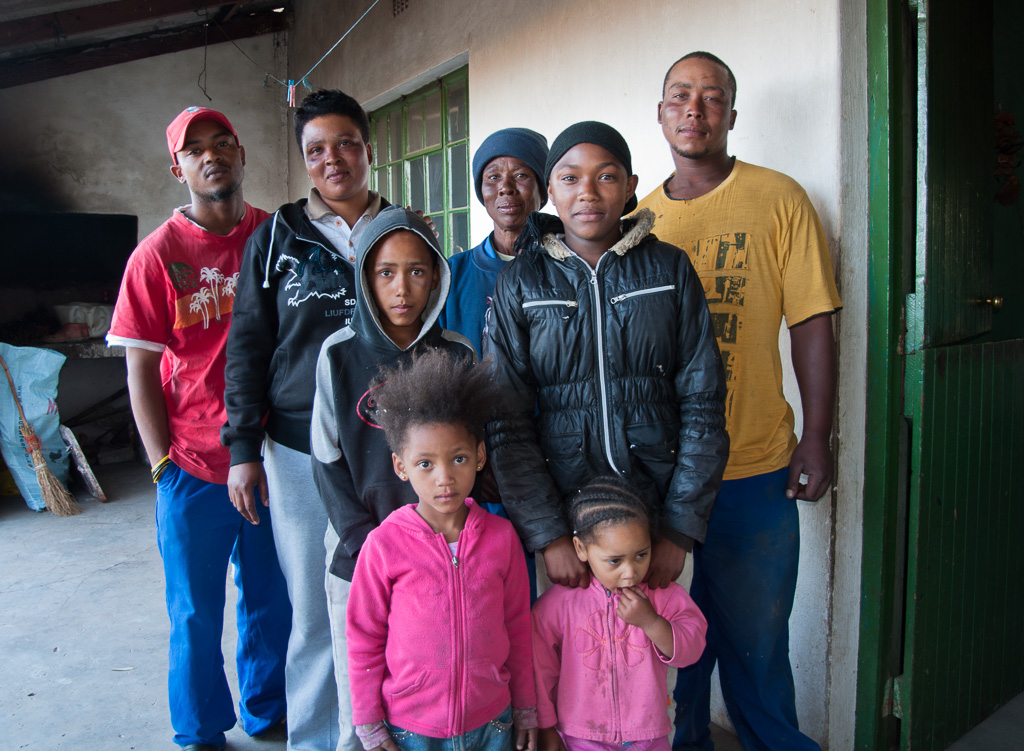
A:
438,619
601,653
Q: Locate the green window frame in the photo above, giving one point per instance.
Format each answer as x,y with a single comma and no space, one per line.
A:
421,155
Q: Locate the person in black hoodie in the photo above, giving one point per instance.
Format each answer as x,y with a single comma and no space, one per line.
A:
296,287
403,282
607,353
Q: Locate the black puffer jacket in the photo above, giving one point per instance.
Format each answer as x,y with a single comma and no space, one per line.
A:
608,370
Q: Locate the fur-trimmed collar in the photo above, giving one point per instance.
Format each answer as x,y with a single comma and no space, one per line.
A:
634,229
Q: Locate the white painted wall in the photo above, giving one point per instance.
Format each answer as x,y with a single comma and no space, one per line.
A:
851,249
801,73
95,141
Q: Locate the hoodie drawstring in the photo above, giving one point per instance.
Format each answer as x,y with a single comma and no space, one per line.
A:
270,251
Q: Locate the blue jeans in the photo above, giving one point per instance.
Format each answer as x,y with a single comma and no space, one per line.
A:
198,531
744,577
496,735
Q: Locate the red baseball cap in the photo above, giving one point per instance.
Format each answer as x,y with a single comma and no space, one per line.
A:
179,126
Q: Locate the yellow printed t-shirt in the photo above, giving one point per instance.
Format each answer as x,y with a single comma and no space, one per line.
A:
759,249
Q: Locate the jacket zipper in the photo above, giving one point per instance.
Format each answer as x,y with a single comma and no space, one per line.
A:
612,664
550,303
637,293
601,376
457,612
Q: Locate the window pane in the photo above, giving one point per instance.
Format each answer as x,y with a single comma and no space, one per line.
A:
395,119
380,150
457,111
432,106
435,175
416,184
415,140
439,228
460,231
458,176
382,181
395,194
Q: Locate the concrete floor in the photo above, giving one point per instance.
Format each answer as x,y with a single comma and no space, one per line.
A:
1003,731
83,628
83,632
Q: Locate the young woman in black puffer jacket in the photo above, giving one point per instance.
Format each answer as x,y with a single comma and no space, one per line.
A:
606,351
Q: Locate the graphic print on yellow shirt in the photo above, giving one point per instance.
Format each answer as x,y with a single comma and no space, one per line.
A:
721,263
759,249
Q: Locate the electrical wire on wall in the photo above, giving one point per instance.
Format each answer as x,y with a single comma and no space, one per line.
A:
201,80
291,84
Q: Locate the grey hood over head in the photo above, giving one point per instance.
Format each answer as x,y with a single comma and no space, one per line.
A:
366,318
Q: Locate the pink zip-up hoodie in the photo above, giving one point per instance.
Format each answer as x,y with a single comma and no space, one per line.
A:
600,678
439,644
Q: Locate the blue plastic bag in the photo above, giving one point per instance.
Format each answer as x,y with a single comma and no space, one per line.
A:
35,372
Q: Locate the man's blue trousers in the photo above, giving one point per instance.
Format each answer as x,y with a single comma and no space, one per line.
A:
198,531
744,577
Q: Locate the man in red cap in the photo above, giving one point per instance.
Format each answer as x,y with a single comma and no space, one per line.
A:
172,316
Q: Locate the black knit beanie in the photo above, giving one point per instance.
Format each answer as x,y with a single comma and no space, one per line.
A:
598,134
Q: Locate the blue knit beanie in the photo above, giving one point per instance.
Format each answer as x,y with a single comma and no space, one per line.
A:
528,146
596,133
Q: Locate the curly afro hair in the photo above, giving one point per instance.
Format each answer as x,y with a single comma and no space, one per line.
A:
605,501
435,387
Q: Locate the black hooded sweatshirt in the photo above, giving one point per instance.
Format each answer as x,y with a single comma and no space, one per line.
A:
294,290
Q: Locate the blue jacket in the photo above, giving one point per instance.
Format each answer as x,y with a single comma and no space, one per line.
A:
474,273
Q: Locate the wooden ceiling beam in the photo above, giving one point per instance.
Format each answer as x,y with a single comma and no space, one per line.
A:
68,60
69,23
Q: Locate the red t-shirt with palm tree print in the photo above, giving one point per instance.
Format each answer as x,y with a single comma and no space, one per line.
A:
176,297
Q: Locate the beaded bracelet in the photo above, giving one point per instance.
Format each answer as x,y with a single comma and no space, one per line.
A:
159,467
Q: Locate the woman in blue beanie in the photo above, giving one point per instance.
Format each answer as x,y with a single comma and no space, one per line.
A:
507,170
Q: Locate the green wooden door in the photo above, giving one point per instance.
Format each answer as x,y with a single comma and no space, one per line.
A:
963,648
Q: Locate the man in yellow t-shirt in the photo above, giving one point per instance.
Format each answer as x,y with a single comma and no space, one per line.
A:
757,244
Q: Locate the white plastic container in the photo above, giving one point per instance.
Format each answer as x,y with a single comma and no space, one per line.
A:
93,315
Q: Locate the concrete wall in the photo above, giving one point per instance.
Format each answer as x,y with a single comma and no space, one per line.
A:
851,249
545,64
94,141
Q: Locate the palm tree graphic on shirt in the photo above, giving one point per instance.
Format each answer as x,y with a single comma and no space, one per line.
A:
215,278
208,297
230,285
200,301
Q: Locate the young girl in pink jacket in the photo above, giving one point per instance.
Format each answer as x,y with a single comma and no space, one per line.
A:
601,654
438,618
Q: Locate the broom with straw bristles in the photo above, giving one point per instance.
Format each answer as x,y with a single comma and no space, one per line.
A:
57,498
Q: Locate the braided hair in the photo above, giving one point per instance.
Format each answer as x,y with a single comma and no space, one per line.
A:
606,501
435,387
